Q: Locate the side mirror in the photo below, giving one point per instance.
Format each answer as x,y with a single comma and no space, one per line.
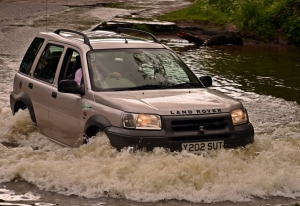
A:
70,86
206,81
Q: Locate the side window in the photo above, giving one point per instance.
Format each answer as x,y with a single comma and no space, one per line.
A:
70,66
30,55
48,62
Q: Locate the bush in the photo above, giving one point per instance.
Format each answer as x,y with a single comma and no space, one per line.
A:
293,30
287,19
252,16
266,18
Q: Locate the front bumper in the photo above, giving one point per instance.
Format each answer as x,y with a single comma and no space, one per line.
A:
239,136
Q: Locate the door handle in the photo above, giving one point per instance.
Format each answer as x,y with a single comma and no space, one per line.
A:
30,85
54,95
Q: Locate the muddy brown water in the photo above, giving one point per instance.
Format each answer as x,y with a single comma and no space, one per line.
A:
35,171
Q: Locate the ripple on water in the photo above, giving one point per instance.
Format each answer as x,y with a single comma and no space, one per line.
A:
11,198
8,195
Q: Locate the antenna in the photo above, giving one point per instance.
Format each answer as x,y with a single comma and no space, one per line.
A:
112,17
46,15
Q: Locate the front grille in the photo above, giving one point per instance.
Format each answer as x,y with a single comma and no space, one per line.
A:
196,125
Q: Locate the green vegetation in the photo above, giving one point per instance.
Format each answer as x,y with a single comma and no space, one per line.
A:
104,23
143,27
266,18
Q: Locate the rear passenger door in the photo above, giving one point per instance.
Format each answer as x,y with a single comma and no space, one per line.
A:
42,84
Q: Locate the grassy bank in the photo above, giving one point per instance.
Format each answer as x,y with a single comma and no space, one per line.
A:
266,18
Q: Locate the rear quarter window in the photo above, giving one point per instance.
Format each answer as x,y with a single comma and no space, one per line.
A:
30,55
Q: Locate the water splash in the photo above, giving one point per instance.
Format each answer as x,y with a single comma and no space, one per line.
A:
98,170
269,167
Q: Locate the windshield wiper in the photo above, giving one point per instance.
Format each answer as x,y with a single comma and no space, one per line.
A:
185,85
155,86
143,87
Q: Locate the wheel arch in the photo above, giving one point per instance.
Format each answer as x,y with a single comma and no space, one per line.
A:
94,124
22,101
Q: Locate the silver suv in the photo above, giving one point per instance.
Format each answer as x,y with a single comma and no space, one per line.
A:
135,90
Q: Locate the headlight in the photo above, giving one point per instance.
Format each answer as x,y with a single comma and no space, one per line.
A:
141,121
239,116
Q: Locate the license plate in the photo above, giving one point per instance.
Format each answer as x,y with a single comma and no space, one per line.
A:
198,147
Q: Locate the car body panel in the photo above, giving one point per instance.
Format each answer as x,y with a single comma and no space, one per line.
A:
65,110
187,115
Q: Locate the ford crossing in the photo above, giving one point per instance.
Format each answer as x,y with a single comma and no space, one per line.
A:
135,90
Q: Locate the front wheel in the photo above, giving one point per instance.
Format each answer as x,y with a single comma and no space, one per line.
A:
91,132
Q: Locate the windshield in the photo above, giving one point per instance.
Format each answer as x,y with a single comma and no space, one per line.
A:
137,68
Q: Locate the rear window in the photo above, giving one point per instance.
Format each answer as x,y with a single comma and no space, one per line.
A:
30,55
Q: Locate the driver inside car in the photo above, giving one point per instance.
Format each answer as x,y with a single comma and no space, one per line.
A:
100,74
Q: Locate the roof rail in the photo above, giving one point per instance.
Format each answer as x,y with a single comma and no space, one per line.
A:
119,29
85,37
